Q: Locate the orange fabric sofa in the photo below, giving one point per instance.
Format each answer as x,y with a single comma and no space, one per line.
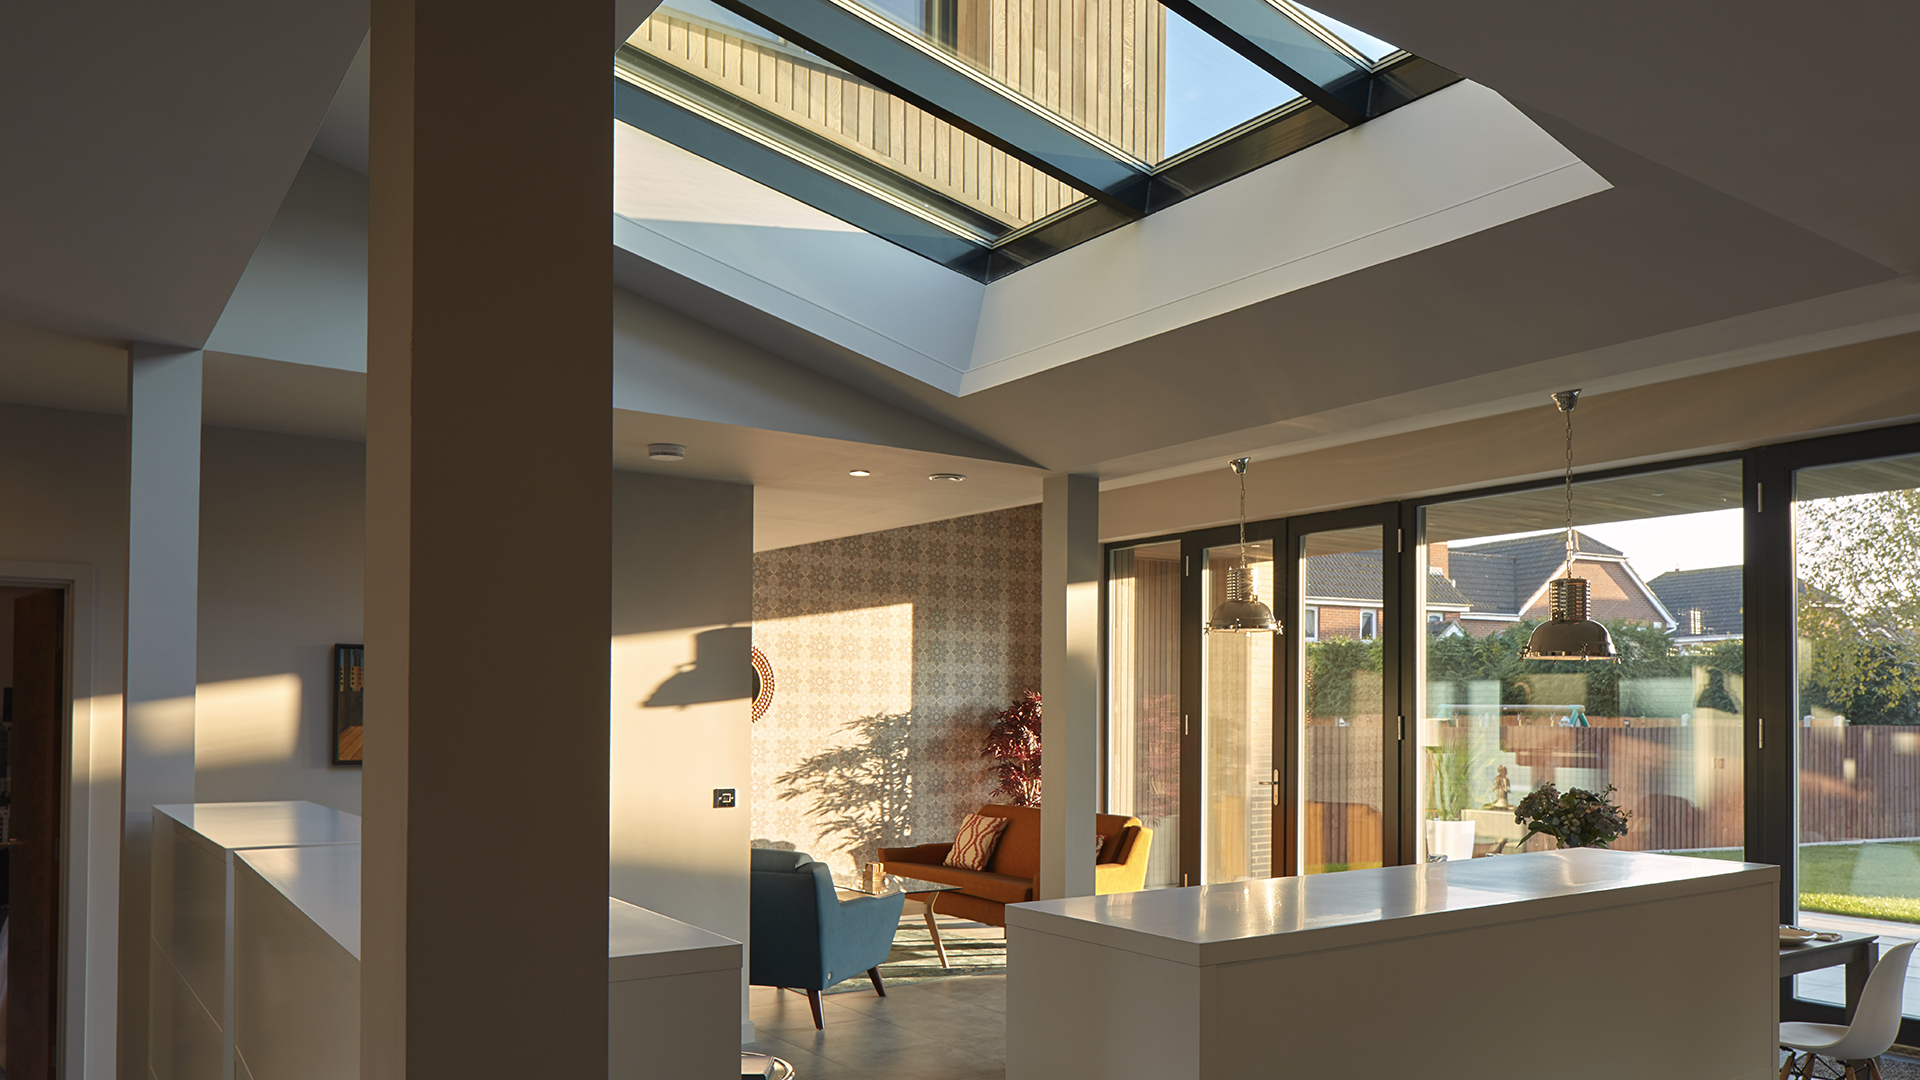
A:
1010,876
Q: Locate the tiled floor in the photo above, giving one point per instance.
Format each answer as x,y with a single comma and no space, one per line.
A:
948,1029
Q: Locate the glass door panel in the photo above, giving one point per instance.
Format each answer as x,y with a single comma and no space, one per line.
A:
1143,695
1665,555
1237,672
1342,759
1857,625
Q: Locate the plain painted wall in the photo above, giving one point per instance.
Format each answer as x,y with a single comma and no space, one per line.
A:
63,499
282,557
681,708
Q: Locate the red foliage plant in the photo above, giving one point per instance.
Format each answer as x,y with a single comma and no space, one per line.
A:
1014,744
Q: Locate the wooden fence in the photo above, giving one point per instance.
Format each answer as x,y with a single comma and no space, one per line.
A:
1684,784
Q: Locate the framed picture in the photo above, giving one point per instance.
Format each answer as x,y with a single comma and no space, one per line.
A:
349,701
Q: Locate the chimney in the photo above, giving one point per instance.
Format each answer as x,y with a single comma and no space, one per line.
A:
1437,559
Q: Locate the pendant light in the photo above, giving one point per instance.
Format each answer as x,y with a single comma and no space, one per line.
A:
1241,612
1569,633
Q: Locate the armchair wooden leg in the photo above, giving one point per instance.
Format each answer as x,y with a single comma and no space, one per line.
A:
1786,1067
934,929
813,999
874,974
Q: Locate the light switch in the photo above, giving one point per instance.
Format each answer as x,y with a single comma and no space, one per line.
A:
723,798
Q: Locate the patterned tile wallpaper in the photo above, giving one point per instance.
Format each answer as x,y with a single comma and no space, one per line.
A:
892,652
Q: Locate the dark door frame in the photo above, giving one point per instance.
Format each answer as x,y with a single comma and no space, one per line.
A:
1290,711
1771,782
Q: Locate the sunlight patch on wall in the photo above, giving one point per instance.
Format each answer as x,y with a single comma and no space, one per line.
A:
247,721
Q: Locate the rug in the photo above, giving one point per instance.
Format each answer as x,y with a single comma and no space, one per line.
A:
914,959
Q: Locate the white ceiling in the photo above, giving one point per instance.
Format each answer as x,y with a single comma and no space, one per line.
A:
1754,212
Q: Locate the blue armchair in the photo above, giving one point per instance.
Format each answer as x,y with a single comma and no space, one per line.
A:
804,937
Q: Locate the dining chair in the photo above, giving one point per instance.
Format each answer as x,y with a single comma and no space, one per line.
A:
1876,1023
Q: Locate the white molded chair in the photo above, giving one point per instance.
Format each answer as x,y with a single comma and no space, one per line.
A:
1876,1023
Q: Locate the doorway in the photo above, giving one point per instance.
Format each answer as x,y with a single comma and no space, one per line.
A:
33,740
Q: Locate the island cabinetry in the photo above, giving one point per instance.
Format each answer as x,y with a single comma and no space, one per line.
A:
1570,964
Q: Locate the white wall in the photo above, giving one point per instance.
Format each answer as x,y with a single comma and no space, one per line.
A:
282,542
63,500
681,715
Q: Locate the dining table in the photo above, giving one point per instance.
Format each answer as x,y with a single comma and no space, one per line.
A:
1859,952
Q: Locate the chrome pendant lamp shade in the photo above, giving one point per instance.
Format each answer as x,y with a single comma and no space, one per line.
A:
1241,612
1569,632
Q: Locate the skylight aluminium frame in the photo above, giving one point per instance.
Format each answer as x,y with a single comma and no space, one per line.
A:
710,123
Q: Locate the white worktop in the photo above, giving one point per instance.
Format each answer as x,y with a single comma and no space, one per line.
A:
323,881
237,825
644,944
1246,920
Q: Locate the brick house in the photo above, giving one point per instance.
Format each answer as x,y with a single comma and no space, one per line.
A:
1706,604
1506,581
1343,597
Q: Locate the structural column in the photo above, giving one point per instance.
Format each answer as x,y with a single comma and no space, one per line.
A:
1070,683
163,576
489,451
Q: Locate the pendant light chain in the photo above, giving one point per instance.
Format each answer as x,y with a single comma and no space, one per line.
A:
1571,546
1243,520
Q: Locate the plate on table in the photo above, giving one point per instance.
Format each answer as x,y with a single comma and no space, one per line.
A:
1794,935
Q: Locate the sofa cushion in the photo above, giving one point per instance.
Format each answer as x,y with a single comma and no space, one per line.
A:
974,846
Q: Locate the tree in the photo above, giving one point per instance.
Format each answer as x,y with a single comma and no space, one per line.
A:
1859,605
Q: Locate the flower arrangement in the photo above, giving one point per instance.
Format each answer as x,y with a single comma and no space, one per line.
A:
1014,744
1579,818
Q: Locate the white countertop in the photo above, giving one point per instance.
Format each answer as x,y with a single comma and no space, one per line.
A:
235,825
1247,920
323,881
644,944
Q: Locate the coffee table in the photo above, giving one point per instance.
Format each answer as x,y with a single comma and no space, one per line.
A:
924,893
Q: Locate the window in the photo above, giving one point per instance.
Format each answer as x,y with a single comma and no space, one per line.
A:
986,135
1143,697
1310,628
1369,625
1663,726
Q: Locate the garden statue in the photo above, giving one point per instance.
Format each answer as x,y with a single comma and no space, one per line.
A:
1501,785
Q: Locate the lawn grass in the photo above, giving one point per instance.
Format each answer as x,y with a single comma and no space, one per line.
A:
1870,881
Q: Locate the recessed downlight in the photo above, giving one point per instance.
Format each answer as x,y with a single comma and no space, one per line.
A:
950,477
666,451
858,472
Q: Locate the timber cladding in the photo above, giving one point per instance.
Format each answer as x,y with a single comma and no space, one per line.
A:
1100,64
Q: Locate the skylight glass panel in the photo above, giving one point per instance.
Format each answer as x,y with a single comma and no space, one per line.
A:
752,78
1130,73
1359,41
1210,89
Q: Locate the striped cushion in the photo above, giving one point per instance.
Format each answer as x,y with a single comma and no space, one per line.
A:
974,846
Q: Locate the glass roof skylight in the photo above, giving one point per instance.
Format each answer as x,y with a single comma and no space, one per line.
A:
1127,72
800,100
987,134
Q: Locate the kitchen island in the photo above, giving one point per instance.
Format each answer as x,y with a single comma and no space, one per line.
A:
1580,963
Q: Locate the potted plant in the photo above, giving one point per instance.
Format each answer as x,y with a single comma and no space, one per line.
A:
1014,745
1579,818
